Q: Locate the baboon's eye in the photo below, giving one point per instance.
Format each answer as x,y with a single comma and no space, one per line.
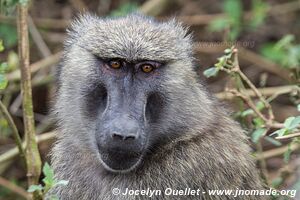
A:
116,64
147,68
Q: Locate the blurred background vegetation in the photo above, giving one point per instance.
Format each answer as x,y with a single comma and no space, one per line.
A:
265,33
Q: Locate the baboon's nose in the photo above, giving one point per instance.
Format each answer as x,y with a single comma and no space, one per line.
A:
124,136
122,133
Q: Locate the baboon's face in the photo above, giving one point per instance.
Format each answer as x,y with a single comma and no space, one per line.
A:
125,101
134,83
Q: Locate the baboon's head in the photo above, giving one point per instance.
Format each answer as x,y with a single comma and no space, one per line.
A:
128,85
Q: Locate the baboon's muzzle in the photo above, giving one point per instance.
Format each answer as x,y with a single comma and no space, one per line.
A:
120,131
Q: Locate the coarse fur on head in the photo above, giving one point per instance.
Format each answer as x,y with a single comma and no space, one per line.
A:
182,137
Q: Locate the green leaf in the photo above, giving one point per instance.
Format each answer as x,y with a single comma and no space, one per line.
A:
228,51
234,32
219,24
258,122
298,107
285,41
247,112
273,141
260,105
1,46
233,8
288,122
125,9
270,52
8,34
213,71
49,175
259,13
3,67
34,188
257,134
292,60
277,182
61,182
23,2
3,82
12,61
295,123
8,6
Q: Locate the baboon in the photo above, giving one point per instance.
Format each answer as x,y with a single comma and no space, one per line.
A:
133,114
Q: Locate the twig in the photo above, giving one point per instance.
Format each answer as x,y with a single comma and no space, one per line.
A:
262,162
154,7
244,54
35,83
267,91
279,151
251,85
47,23
203,19
38,40
33,159
249,102
13,152
15,131
292,135
47,62
14,188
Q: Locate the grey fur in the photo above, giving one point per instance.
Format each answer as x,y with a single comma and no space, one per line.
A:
212,151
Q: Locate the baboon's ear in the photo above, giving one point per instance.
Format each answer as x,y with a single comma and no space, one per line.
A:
79,26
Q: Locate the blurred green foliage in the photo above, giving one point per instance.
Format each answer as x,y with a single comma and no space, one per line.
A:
285,52
124,9
3,69
259,13
8,33
234,22
8,6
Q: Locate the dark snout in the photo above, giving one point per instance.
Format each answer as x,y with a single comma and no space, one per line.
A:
120,143
120,134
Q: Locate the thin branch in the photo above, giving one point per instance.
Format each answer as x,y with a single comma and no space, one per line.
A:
33,159
35,83
249,102
267,91
262,162
292,135
47,62
14,188
251,85
38,40
154,7
15,131
246,55
13,152
279,151
46,23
